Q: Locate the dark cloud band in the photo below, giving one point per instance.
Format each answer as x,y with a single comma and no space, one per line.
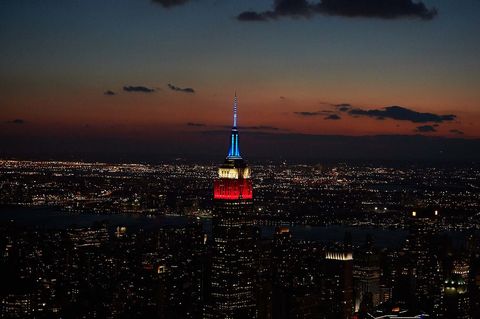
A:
141,89
332,117
179,89
328,114
170,3
261,128
306,113
425,129
399,113
196,124
383,9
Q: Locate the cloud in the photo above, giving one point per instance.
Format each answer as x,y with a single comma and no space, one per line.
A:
332,117
170,3
306,113
456,131
342,107
383,9
141,89
261,128
176,88
196,124
109,92
329,115
17,121
400,113
281,8
251,16
425,129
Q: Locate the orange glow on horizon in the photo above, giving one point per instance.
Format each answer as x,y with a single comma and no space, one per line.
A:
164,110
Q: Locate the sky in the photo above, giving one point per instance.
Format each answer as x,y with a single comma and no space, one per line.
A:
144,75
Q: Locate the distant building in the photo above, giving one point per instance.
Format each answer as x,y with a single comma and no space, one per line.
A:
283,262
339,284
456,299
16,306
88,237
390,310
366,277
424,272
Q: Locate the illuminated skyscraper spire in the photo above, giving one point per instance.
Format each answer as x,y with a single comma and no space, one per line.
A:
232,288
235,107
234,150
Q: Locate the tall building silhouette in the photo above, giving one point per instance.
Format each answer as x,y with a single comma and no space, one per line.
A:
232,291
366,276
283,268
455,291
339,284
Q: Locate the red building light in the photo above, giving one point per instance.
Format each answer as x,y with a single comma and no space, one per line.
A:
232,189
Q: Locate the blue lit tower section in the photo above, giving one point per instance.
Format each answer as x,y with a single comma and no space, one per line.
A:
234,150
232,290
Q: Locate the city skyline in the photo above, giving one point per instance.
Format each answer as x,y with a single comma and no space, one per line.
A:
222,159
153,75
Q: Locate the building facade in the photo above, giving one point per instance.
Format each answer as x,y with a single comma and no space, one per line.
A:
233,273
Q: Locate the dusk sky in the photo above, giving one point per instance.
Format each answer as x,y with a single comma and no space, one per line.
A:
142,70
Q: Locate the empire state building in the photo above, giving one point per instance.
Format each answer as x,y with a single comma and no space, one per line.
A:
232,291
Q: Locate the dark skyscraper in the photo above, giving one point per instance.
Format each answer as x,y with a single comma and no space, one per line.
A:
339,283
232,271
282,272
